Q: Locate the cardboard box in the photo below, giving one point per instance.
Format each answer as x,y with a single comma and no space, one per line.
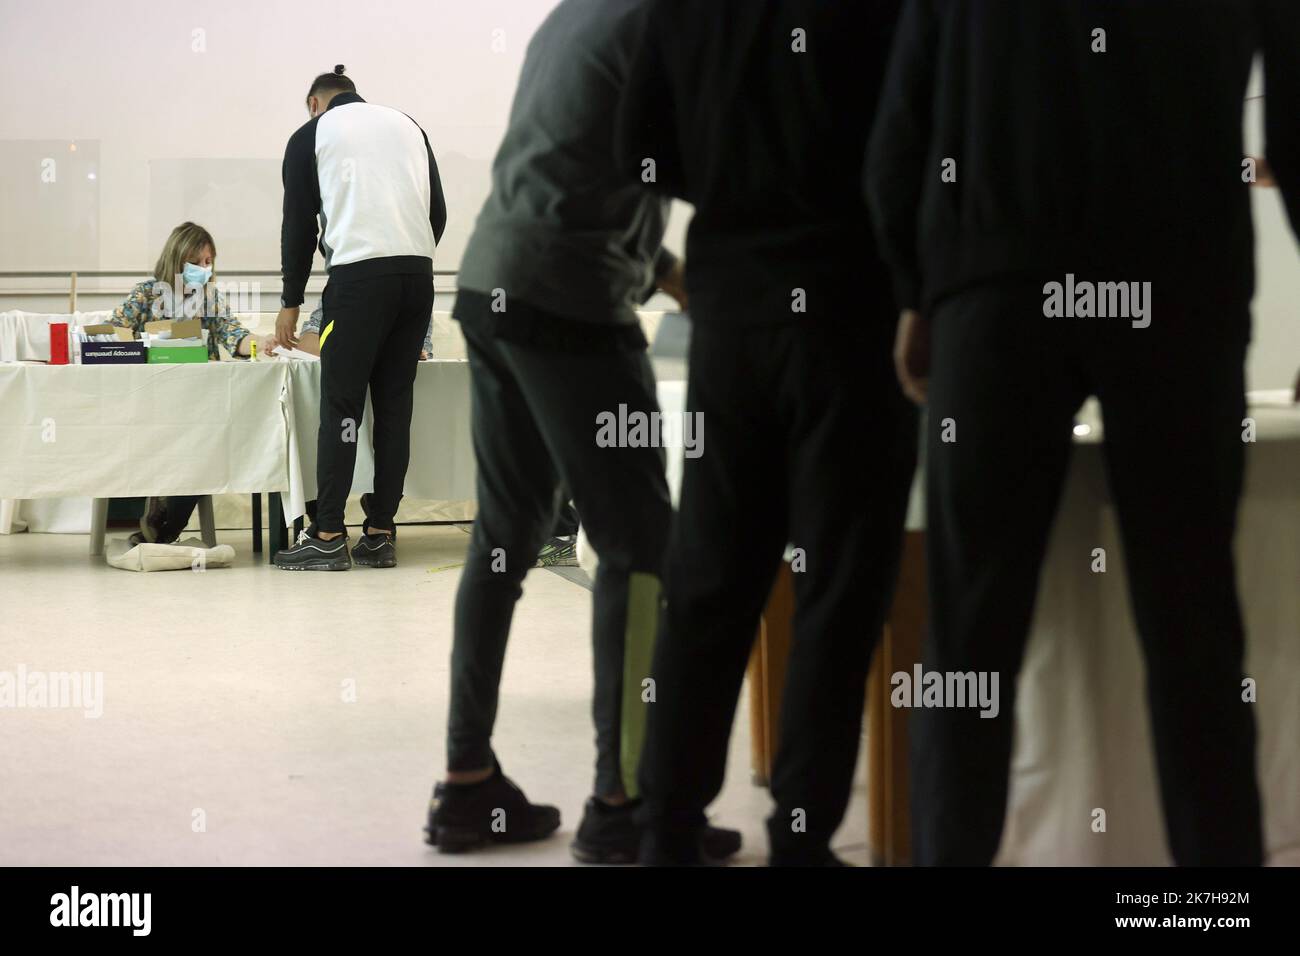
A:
175,329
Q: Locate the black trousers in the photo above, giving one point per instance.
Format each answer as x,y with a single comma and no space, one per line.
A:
807,440
177,511
371,340
1006,382
535,419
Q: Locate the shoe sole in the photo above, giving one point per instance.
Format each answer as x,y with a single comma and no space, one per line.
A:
322,566
464,839
601,856
383,563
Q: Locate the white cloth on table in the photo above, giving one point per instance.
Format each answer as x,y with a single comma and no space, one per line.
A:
130,430
25,336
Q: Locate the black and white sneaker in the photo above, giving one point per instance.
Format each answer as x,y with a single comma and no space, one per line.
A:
310,553
375,550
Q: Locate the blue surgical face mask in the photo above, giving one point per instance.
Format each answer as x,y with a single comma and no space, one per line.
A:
196,275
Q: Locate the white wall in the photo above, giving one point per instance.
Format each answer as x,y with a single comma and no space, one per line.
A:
133,82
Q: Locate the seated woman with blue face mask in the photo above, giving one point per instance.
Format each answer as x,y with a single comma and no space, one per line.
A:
179,289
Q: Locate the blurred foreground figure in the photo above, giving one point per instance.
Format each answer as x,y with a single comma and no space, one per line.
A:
758,113
563,251
1062,193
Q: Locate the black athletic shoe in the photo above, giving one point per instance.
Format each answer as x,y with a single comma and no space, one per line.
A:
558,553
465,816
610,834
375,551
310,553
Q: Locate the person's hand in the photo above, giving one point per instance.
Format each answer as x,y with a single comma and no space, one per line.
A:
286,326
1263,173
673,283
424,356
264,345
912,355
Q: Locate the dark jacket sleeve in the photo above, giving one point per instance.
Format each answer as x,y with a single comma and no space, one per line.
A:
646,122
437,202
896,173
1280,37
301,208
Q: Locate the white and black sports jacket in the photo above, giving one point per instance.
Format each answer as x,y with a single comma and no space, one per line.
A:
368,173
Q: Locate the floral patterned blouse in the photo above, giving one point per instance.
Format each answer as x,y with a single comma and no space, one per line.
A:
149,301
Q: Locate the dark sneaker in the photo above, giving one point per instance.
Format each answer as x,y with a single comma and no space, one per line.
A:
610,834
467,816
310,553
153,519
375,551
558,553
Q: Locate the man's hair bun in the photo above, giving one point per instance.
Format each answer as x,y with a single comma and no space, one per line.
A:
338,70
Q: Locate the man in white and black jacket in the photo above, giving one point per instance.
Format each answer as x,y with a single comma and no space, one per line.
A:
368,174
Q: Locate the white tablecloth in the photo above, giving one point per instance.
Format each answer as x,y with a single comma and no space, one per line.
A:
25,336
129,430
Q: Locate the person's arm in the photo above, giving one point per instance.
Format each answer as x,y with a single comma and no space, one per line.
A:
437,202
297,227
646,147
301,207
309,337
670,278
225,328
134,312
896,173
426,347
1280,39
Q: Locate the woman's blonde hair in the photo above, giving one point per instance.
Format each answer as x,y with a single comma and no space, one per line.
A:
185,243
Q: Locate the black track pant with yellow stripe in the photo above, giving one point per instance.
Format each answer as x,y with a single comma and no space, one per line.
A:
371,339
535,440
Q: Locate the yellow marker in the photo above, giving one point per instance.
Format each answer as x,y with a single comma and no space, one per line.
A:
252,350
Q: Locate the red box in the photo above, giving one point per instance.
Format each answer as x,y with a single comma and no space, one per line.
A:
58,343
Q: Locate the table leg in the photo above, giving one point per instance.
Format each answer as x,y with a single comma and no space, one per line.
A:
98,519
207,525
888,767
767,674
257,524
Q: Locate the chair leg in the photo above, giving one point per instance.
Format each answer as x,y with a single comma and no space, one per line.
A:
207,525
98,524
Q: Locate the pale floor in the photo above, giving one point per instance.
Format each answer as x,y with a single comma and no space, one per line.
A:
223,698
